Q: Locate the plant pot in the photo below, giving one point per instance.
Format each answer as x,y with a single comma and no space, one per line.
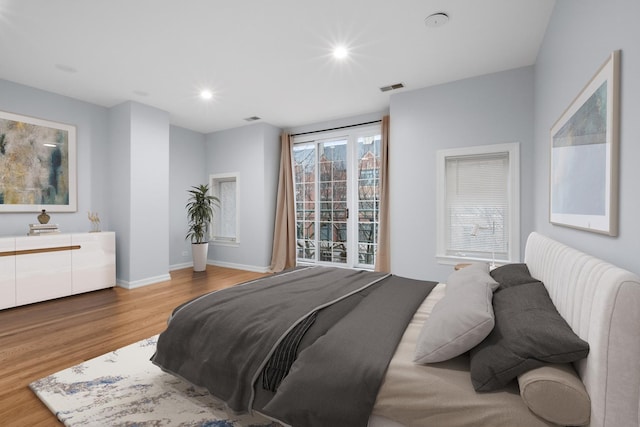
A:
199,253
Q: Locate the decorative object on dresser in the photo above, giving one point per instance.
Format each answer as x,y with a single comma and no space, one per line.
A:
42,229
44,217
95,221
54,266
200,214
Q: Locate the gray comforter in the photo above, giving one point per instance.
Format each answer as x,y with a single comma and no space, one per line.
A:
223,340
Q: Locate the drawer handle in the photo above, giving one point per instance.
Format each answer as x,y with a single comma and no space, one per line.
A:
39,251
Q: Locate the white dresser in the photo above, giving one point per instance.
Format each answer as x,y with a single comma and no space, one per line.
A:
38,268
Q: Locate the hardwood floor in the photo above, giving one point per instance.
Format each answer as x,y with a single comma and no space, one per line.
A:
40,339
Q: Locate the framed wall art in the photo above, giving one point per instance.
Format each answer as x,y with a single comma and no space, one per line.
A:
37,165
584,156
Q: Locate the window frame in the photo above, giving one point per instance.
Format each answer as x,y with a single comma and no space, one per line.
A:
214,185
513,197
351,136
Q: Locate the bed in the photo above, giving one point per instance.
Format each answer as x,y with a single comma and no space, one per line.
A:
320,364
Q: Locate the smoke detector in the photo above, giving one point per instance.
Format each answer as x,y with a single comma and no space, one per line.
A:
436,20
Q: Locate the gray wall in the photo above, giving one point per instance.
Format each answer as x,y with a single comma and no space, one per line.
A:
139,138
186,169
119,190
92,144
491,109
580,37
149,181
253,152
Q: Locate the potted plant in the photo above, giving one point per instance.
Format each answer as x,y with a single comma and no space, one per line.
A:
200,213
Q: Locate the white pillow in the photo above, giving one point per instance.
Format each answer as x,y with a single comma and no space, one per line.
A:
461,319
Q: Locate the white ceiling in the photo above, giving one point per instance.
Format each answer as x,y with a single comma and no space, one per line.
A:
263,58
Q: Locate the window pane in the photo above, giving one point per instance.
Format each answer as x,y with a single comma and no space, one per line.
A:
326,191
367,232
368,148
366,253
339,211
306,250
340,190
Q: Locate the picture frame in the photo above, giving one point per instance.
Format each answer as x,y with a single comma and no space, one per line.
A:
37,165
585,156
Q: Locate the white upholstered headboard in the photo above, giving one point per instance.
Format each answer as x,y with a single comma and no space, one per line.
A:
601,302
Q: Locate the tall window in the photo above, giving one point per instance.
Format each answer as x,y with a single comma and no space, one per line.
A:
337,195
225,218
478,204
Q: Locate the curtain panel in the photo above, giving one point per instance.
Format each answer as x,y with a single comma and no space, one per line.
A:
283,253
383,257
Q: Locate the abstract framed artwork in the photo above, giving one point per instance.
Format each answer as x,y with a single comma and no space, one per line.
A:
584,156
37,165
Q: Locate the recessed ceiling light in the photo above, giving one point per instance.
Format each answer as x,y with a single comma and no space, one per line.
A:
340,52
206,94
436,20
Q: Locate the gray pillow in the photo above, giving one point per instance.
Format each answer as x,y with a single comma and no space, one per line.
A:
512,275
528,332
461,319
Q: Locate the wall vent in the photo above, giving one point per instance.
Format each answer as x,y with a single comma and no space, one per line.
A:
392,87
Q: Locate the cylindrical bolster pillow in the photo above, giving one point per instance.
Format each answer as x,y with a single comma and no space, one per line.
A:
555,393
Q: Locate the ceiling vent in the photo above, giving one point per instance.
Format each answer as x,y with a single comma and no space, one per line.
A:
252,118
391,87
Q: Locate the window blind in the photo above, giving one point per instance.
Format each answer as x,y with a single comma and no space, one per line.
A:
228,210
477,205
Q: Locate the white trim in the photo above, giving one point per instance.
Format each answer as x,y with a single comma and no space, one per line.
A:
229,176
235,266
350,135
143,282
180,266
513,148
228,243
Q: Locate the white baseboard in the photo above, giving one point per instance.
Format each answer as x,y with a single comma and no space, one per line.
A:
152,280
143,282
253,268
180,266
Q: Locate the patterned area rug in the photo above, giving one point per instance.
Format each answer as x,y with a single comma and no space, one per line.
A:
123,388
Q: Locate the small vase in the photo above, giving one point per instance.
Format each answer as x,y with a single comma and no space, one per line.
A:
43,218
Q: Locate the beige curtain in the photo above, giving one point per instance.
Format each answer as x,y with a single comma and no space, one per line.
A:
283,255
383,258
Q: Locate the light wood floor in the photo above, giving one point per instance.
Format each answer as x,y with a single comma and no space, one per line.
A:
40,339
